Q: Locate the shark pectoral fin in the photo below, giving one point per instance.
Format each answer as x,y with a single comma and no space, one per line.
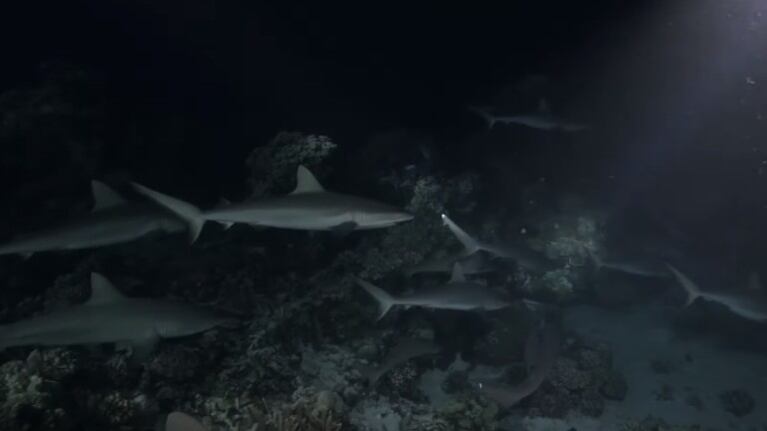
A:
226,224
143,348
344,228
104,197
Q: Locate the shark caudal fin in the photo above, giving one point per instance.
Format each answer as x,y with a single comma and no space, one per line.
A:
190,213
692,289
470,244
483,112
385,301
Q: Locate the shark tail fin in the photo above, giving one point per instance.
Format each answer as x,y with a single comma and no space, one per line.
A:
190,213
226,224
385,301
470,244
692,289
482,112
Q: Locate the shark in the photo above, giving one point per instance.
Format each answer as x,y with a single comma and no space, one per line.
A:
473,263
748,303
458,294
523,256
541,120
541,351
112,221
108,316
633,266
405,349
308,207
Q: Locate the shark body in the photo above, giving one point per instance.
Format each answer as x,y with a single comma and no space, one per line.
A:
112,221
541,351
110,317
750,304
404,350
308,207
633,266
541,120
523,256
458,294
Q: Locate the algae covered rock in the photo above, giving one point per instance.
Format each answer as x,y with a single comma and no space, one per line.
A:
738,402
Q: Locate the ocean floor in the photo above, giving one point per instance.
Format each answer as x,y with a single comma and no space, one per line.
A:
675,379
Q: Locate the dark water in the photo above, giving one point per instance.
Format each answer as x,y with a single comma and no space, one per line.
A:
605,163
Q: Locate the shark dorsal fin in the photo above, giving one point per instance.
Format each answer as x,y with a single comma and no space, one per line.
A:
754,282
306,181
457,276
103,291
104,197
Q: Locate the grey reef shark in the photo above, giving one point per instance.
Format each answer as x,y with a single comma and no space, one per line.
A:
543,119
458,294
110,317
113,220
309,207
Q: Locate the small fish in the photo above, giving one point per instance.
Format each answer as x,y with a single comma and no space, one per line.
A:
458,294
750,303
405,350
308,207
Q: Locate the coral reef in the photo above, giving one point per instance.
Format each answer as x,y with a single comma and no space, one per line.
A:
568,239
23,395
582,378
469,413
